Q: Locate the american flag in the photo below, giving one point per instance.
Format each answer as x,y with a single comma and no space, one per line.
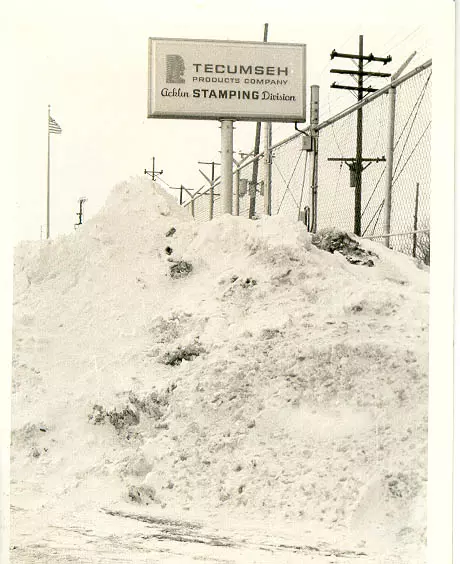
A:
53,126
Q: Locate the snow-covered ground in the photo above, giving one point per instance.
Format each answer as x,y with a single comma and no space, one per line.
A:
269,404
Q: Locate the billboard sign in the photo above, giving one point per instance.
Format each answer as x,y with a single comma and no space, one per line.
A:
203,79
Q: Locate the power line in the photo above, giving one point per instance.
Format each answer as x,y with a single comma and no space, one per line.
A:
373,191
303,180
417,106
377,211
412,152
335,192
405,39
352,34
288,183
416,109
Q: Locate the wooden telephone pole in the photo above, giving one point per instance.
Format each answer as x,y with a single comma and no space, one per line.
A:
211,184
81,201
153,173
356,164
255,165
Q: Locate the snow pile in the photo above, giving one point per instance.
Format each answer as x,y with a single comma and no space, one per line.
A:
267,378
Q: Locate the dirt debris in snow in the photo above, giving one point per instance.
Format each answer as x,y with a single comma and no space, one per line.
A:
332,240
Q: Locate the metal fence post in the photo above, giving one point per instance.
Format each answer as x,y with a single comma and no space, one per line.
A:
390,152
211,202
389,167
236,185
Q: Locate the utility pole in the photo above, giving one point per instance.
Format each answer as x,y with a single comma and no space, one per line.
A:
211,182
182,189
355,164
359,142
255,166
153,173
81,201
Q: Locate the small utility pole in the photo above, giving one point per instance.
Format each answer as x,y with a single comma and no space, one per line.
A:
356,164
81,201
153,173
211,182
182,189
255,166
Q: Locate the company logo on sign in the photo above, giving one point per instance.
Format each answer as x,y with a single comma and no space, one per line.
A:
175,68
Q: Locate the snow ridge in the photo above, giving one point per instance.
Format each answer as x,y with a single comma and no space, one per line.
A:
270,378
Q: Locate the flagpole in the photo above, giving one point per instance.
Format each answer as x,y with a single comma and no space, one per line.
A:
48,181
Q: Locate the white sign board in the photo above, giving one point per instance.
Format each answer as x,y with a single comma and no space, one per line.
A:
201,79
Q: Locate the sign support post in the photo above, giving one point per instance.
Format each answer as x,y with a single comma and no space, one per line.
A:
226,129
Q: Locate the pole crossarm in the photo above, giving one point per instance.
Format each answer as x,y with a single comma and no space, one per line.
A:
212,163
349,159
360,73
370,57
356,165
358,88
211,182
372,97
153,172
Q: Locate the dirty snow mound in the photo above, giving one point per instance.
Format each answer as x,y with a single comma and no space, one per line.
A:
225,367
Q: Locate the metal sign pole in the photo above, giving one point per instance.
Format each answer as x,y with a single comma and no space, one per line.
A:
226,129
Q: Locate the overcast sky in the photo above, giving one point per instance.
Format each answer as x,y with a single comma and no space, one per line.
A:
88,60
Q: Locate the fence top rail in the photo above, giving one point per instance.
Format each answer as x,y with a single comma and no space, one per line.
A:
374,95
355,107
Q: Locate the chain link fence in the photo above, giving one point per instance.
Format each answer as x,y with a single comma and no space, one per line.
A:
292,164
